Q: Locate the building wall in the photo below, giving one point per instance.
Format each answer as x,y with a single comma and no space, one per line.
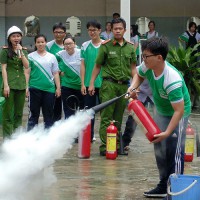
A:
2,24
170,16
155,8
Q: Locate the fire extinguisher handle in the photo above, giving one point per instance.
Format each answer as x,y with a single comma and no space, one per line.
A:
114,122
128,93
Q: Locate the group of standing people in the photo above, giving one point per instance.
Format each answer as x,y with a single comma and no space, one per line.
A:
55,75
35,75
100,70
192,36
116,60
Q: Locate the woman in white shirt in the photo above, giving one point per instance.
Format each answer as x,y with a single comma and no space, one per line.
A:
107,34
44,83
69,61
152,32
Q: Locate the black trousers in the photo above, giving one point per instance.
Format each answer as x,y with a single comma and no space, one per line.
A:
57,109
39,99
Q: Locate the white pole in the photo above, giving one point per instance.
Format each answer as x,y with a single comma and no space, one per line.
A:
125,14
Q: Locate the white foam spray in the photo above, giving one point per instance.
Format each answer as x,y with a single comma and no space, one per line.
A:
26,159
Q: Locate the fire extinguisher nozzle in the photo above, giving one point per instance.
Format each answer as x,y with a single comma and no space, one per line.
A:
127,95
106,104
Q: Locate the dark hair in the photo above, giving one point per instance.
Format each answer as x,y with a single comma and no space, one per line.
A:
93,23
134,30
59,25
116,15
107,24
117,21
11,52
192,24
151,22
38,36
157,46
69,37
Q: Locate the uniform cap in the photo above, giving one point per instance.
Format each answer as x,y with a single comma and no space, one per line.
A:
13,29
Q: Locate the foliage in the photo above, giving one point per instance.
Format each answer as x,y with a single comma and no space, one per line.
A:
188,63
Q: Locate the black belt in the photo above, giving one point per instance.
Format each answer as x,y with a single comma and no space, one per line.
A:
116,81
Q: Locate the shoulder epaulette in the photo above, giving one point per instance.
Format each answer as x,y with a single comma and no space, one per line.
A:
105,42
25,48
130,42
4,47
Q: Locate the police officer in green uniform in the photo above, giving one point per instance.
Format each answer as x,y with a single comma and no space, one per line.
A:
117,60
13,60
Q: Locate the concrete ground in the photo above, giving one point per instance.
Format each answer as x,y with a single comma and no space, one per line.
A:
97,178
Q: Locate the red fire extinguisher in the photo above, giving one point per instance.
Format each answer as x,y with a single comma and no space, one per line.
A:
84,142
111,141
189,144
144,119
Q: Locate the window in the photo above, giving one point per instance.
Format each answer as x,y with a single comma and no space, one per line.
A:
193,19
73,25
142,23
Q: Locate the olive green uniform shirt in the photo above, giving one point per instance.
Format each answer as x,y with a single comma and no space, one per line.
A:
116,60
15,70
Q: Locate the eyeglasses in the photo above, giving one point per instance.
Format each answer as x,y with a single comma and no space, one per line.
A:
92,30
68,44
146,56
59,32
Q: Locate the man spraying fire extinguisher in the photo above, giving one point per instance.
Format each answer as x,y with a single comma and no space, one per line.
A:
173,107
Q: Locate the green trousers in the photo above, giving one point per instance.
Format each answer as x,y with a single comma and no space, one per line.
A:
115,111
13,111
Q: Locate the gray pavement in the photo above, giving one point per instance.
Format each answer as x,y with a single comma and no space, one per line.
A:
97,178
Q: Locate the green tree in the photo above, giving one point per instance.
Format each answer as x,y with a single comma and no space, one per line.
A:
187,62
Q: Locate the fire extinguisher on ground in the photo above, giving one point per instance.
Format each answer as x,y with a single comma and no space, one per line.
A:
111,141
189,143
84,142
144,119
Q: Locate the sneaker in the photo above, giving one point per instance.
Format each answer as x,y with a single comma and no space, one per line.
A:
94,139
156,192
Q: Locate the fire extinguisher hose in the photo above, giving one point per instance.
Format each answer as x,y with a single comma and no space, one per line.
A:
73,102
109,102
